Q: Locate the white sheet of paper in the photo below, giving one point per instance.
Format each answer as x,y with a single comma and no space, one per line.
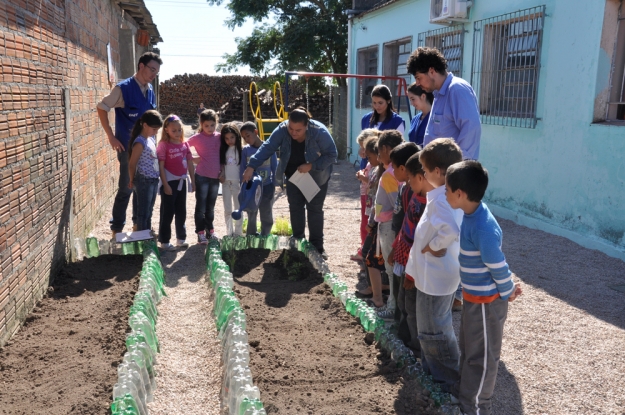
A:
306,184
123,237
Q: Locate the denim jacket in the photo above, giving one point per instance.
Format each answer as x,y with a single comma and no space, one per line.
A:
320,151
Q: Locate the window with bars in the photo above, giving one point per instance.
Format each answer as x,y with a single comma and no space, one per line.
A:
616,105
506,65
396,55
367,65
450,41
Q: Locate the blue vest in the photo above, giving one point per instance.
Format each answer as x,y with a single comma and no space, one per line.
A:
135,104
388,124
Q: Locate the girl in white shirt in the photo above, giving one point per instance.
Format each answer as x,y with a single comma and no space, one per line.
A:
230,159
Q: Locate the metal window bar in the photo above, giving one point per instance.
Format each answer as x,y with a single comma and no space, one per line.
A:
450,41
615,109
399,52
369,60
505,66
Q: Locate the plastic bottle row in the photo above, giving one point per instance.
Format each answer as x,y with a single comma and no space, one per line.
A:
386,336
136,377
90,247
238,395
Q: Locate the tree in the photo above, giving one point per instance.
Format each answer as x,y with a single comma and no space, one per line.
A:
307,36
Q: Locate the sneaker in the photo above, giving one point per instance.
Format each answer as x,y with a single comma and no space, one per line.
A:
457,306
387,314
213,235
201,238
167,246
181,243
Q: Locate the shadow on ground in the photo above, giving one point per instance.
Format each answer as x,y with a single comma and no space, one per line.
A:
568,271
186,266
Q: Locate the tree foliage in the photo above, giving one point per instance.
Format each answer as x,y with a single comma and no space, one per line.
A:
306,36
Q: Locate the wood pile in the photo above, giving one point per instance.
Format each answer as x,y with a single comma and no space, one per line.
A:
182,95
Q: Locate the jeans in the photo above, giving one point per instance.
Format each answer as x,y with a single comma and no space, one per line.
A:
206,190
145,194
440,354
387,236
174,205
123,195
266,213
298,206
230,195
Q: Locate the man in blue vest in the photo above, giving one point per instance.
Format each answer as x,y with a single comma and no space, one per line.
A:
130,98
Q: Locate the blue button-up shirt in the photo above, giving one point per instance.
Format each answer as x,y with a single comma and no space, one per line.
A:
455,114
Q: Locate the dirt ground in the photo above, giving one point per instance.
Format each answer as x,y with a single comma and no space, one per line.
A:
563,341
308,355
64,359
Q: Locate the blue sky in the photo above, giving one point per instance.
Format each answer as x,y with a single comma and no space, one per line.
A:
195,36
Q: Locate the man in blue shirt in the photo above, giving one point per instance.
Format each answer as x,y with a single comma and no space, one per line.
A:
130,98
455,112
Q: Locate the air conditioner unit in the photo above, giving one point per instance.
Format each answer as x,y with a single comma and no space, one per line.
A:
449,11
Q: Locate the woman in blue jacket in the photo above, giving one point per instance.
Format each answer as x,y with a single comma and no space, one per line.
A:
383,117
422,102
306,146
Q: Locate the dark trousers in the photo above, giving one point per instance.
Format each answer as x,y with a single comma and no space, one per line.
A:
481,333
123,195
174,205
265,207
407,306
206,191
299,206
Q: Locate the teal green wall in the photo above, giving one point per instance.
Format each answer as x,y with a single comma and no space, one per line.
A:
567,175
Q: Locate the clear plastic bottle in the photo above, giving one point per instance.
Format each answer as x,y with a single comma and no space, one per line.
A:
228,382
125,371
247,397
145,377
135,354
237,382
126,387
139,322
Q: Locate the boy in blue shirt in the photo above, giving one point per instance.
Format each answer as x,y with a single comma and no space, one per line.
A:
487,287
268,173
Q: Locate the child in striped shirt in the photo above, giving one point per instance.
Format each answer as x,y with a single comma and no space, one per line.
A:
487,287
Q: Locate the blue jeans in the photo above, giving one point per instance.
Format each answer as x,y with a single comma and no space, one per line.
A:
265,207
298,206
440,354
206,190
123,195
145,194
173,205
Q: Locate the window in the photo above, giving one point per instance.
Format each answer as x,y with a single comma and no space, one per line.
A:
616,103
396,55
450,41
506,65
367,65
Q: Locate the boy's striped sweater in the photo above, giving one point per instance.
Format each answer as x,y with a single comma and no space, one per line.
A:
484,272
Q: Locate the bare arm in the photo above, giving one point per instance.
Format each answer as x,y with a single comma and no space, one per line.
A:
104,120
133,161
161,169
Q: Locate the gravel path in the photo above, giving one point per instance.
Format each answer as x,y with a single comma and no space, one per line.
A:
563,342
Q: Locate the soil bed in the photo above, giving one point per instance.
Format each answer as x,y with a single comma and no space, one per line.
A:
64,359
307,354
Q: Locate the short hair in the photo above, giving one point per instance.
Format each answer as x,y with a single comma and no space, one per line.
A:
401,153
300,115
390,138
366,134
417,90
148,57
248,126
422,59
470,177
208,115
441,153
413,165
371,145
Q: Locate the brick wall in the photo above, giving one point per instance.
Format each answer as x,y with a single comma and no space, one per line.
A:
49,50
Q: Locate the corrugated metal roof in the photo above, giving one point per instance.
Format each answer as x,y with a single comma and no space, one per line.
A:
140,13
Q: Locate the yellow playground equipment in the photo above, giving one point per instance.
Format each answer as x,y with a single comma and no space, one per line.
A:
267,125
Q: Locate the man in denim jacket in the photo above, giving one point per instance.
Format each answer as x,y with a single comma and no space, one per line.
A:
306,146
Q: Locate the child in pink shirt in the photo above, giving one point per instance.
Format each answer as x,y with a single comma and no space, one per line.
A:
176,168
206,143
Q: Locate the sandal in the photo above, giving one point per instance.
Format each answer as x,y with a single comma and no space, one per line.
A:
358,294
356,258
371,304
